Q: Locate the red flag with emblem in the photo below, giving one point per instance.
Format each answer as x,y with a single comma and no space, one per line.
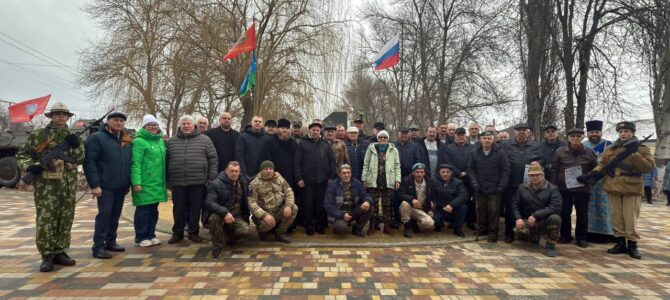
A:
25,111
246,43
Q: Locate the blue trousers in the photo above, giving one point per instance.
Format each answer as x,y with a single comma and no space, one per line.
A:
456,217
146,217
110,204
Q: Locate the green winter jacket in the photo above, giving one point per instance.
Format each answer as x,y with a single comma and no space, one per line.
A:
371,166
148,168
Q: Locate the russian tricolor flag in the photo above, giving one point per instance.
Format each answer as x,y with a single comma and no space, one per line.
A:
389,56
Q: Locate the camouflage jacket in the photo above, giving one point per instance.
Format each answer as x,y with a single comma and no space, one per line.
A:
269,196
28,154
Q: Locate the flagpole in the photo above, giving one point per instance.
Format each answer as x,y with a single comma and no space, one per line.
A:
400,80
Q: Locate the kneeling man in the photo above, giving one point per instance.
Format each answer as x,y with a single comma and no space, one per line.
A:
272,203
227,211
449,195
536,206
347,201
415,195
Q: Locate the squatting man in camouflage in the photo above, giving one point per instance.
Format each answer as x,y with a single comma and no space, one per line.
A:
272,203
227,210
536,206
54,188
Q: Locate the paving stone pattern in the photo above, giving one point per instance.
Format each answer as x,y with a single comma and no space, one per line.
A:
455,270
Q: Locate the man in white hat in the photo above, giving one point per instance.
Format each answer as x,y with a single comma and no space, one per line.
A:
55,186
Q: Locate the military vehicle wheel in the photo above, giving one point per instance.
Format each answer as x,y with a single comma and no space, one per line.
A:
9,172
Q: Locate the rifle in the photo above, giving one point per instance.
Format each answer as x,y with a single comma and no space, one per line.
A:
608,169
58,152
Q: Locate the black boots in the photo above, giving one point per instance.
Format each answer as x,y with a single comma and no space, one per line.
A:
620,246
47,263
64,260
407,230
632,250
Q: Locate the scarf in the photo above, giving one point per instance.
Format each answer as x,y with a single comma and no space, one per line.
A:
123,136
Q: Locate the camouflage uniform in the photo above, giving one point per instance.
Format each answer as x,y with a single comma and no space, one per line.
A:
270,197
550,226
54,198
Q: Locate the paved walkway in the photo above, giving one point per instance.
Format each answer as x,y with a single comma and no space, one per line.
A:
460,270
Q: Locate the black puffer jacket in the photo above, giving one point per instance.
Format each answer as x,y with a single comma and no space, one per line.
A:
314,161
221,196
248,150
407,191
452,192
489,174
540,203
457,156
423,155
191,159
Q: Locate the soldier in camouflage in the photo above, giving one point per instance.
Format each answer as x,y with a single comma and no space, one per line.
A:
272,203
55,188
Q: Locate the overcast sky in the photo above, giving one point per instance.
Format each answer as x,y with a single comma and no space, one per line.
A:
57,30
40,41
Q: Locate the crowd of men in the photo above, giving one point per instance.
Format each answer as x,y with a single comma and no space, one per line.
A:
275,176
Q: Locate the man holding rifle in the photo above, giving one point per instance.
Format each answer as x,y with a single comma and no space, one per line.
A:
622,166
55,184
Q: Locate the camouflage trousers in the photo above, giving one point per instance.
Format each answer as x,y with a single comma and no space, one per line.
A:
221,231
280,223
382,204
54,204
551,226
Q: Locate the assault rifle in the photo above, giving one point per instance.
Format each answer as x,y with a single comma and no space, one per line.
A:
608,169
58,152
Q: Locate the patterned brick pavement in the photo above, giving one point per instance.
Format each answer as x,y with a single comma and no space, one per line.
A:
458,270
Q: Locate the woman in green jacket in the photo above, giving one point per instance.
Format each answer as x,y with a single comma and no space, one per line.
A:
381,174
147,176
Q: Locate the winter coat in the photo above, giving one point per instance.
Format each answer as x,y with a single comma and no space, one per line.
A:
191,159
107,161
566,158
148,168
409,155
248,150
314,162
457,156
666,178
423,155
520,155
540,203
627,178
224,143
221,196
334,198
269,195
371,166
357,156
452,192
282,154
407,191
548,153
489,174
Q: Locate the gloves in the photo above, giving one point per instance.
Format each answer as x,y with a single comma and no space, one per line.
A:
72,140
35,169
583,178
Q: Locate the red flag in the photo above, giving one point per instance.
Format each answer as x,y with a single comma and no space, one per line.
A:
26,110
246,43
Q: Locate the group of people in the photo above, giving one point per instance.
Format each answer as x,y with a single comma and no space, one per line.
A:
276,177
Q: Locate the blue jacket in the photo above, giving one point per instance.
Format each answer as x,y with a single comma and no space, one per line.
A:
409,155
357,156
444,193
106,162
335,196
